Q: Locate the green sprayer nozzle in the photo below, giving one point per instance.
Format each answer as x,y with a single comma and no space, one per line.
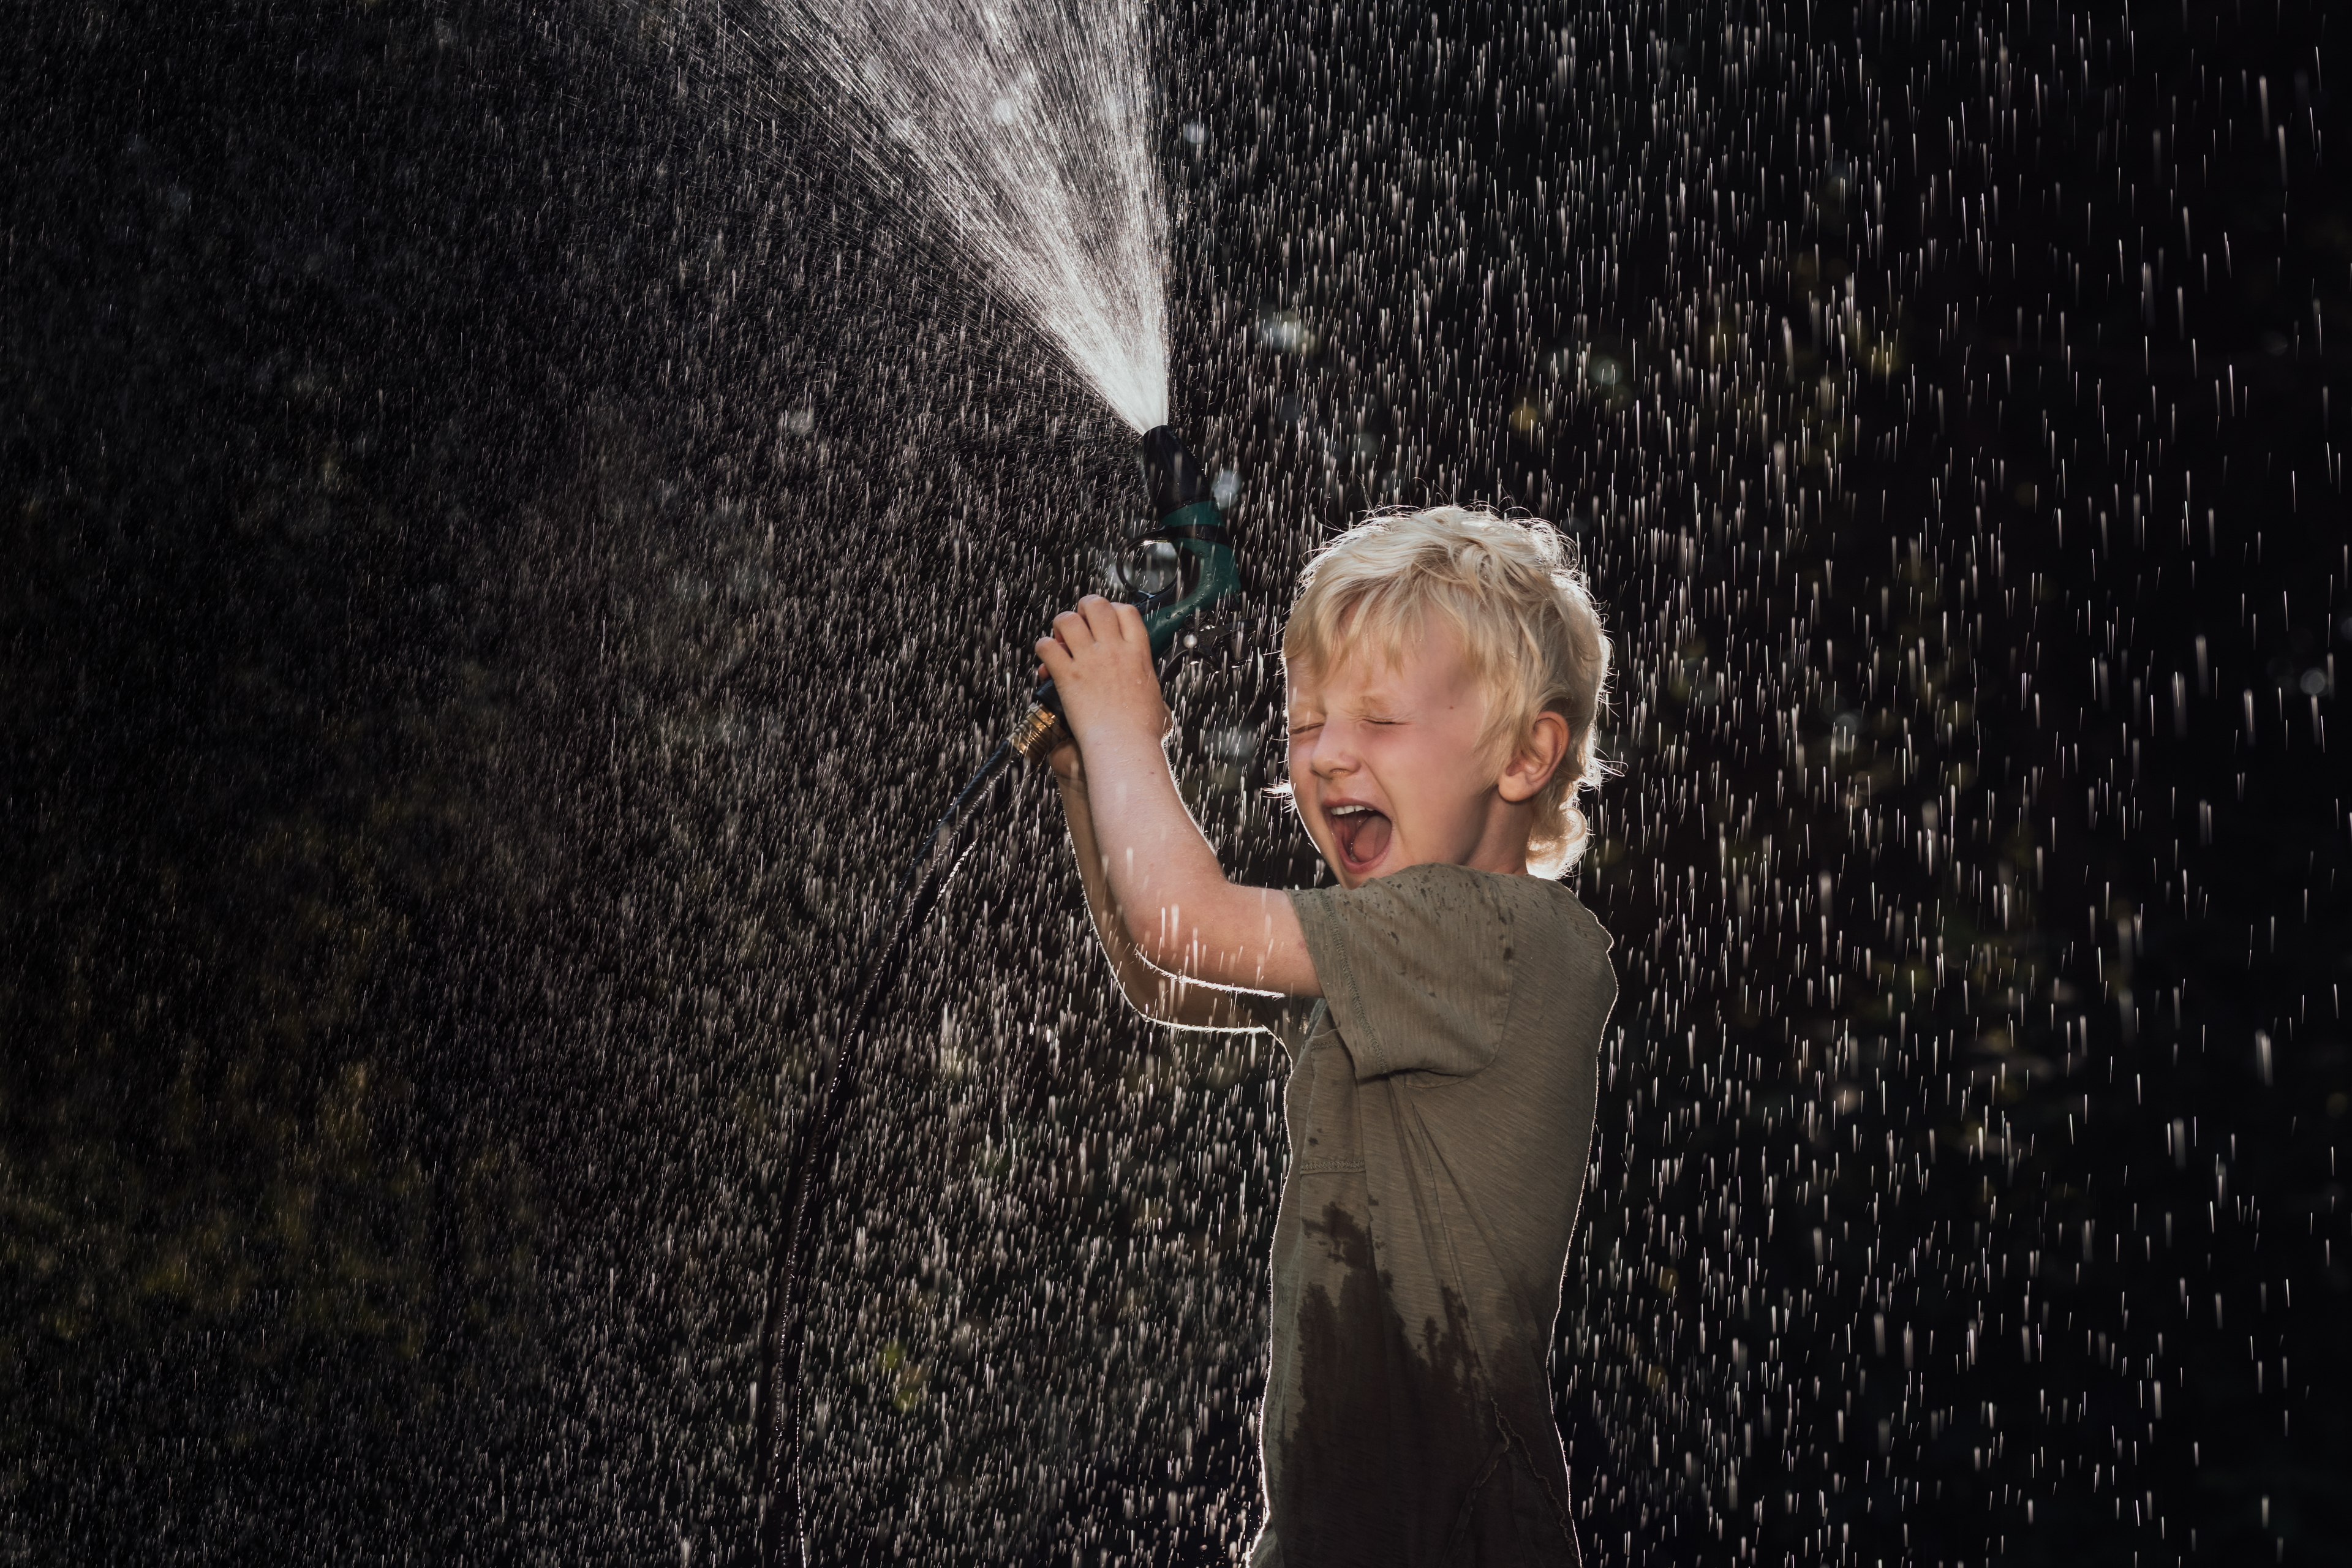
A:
1188,519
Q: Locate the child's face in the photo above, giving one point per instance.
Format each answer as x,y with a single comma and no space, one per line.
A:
1387,768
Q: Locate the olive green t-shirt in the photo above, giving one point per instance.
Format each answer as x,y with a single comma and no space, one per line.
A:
1439,1109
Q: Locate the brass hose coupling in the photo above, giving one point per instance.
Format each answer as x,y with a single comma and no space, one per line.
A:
1039,734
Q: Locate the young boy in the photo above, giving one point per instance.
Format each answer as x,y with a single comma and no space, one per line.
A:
1445,670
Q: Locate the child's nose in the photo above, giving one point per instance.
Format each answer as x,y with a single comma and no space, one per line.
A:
1332,756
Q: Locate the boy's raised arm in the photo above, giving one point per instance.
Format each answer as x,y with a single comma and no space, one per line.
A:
1162,879
1154,992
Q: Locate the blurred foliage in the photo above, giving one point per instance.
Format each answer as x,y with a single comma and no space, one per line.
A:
246,1254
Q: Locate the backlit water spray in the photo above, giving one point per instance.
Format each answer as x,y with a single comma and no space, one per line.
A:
526,511
1021,129
1016,133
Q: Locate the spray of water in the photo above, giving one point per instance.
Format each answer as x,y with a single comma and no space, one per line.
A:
1020,127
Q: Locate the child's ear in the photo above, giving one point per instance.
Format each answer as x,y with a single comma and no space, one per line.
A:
1537,757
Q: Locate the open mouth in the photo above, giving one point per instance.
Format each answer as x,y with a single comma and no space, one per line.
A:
1362,833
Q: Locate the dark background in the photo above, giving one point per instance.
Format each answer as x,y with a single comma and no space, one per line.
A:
506,547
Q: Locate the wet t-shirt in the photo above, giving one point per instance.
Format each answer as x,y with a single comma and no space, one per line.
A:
1440,1110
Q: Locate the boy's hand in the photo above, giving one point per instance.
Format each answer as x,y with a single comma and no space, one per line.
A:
1100,659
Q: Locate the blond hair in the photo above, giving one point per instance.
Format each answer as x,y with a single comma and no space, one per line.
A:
1528,627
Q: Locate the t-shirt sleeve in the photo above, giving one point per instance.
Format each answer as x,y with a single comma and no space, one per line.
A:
1417,968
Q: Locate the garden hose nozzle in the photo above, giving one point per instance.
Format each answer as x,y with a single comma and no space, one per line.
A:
1188,518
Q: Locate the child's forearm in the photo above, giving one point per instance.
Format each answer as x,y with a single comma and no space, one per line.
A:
1142,984
1154,992
1169,890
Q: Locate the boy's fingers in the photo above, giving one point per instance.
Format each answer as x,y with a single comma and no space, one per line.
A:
1100,614
1094,621
1110,622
